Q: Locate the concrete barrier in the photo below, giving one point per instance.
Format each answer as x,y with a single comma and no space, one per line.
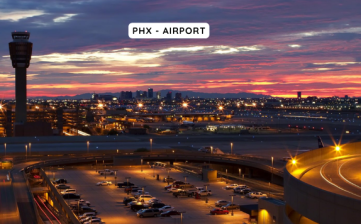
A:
57,197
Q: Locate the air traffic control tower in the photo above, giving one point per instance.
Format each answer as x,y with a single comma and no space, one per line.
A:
20,54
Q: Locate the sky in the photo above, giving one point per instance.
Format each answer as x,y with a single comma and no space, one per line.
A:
273,47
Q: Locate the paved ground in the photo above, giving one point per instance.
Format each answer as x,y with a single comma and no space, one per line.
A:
108,199
339,176
9,213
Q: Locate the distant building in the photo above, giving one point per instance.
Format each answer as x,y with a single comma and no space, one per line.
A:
95,96
299,95
126,95
169,96
159,95
137,94
144,94
346,96
150,93
106,97
178,97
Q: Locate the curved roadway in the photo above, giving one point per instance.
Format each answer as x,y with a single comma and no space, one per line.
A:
341,176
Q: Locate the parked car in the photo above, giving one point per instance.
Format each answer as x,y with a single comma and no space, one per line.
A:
183,193
93,222
127,200
137,206
169,213
205,193
66,191
242,190
256,195
218,211
71,196
124,184
86,214
62,186
166,208
106,171
168,186
90,219
231,186
173,190
177,182
157,205
104,183
145,197
153,200
199,188
230,206
60,181
84,209
153,212
221,203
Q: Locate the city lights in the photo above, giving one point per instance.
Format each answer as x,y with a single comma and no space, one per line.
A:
140,105
220,107
185,105
100,105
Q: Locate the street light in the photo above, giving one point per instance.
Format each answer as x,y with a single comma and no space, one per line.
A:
185,104
239,172
337,148
29,148
141,165
294,161
232,195
26,152
115,178
151,141
185,179
226,176
231,148
96,163
87,146
5,148
272,171
206,185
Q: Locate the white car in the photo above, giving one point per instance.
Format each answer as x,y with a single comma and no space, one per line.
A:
174,190
199,188
104,183
154,200
166,208
86,214
145,197
231,186
92,218
205,193
256,195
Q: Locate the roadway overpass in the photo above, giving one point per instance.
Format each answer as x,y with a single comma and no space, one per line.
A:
324,186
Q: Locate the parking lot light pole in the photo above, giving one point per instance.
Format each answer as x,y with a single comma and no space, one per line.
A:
226,176
141,165
153,170
115,178
87,146
150,141
26,152
185,179
168,172
29,148
5,148
96,163
231,148
232,195
272,171
206,185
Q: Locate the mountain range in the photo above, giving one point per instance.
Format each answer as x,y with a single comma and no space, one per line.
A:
163,94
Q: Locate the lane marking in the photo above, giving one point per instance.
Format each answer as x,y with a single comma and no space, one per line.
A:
335,185
348,181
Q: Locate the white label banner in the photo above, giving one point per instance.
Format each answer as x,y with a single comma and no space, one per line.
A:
168,30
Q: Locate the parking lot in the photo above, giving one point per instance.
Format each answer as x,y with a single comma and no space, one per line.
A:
108,200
